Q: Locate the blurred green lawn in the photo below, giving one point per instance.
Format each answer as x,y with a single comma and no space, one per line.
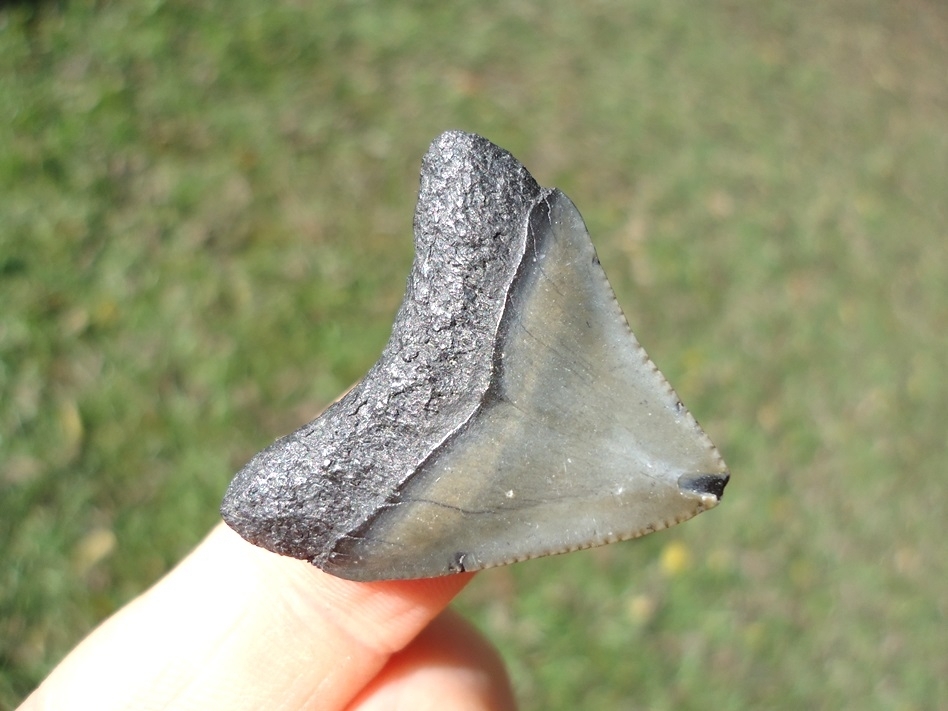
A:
205,228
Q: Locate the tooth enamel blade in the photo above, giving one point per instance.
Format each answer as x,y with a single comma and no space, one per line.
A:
579,441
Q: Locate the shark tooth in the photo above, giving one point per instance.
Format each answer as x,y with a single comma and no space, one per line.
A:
512,414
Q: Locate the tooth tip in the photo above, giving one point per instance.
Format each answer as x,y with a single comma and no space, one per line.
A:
710,484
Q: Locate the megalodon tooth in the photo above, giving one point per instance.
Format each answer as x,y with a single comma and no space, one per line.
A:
513,414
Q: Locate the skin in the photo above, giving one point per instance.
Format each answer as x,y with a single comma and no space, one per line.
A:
236,627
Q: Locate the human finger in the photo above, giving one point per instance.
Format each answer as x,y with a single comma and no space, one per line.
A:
237,627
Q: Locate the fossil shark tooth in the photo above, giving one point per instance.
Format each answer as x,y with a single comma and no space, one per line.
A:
512,414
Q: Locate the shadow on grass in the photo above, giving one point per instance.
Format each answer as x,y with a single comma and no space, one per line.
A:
34,7
29,13
35,4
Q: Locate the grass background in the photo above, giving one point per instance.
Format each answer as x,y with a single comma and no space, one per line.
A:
205,228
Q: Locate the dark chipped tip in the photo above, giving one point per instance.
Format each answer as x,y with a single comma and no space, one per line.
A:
705,483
